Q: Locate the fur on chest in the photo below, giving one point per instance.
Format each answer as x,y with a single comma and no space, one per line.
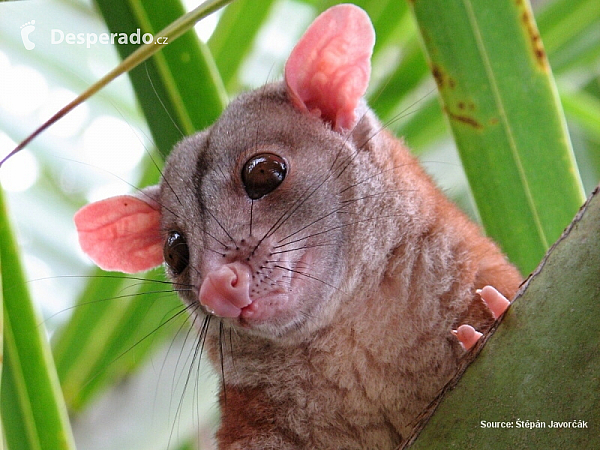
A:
356,384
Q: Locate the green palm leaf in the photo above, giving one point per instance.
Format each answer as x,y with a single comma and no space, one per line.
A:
480,45
32,408
502,105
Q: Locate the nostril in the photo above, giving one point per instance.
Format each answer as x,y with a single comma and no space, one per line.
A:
235,272
226,290
233,280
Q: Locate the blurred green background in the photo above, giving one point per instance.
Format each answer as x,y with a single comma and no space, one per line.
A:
103,147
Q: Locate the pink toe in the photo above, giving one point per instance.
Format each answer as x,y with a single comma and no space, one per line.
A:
467,336
497,302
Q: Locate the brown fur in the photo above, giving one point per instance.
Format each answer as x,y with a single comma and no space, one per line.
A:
332,297
361,381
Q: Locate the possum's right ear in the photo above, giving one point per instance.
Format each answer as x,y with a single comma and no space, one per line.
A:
122,233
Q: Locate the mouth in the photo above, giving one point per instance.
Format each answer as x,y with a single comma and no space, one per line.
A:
260,293
280,304
264,308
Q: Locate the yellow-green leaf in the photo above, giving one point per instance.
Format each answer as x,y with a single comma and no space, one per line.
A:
34,416
542,365
500,99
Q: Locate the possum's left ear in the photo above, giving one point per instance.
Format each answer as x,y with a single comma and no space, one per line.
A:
328,71
122,233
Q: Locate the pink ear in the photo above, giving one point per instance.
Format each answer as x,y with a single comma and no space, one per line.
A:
121,233
328,71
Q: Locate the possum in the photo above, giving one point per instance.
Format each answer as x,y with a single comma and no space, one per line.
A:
331,270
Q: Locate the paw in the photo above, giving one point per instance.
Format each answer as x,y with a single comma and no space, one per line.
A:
498,304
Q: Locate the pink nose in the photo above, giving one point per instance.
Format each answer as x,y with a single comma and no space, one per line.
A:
226,290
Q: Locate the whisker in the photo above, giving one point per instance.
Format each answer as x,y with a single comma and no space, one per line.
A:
134,187
377,132
198,348
364,180
307,276
191,309
304,247
222,228
231,330
376,194
406,111
118,297
308,193
340,209
161,101
222,360
210,235
344,225
251,215
302,198
214,251
122,354
312,223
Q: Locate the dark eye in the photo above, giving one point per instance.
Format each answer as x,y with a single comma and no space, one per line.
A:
262,174
176,252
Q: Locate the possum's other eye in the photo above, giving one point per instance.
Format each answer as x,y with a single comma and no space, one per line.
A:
176,252
262,174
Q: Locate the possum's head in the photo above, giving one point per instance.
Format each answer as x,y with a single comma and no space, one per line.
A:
252,215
